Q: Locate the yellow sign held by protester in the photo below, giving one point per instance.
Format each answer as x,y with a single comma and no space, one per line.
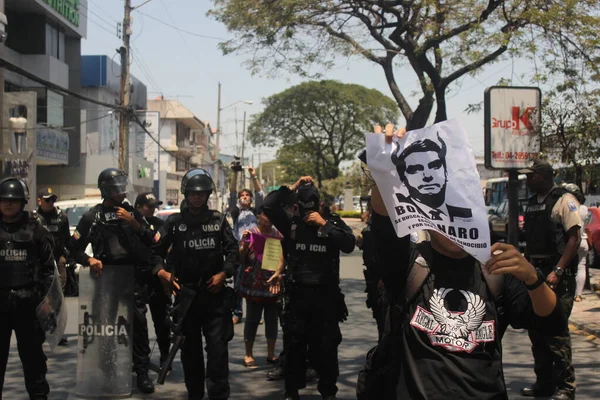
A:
272,254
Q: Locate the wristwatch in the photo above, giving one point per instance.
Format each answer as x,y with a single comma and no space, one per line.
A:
541,279
559,271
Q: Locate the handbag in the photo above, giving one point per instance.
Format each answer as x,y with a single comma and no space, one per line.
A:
252,284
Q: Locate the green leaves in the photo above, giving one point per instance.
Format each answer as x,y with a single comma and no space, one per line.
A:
441,40
323,121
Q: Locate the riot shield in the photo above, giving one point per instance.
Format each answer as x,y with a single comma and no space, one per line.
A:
105,333
52,312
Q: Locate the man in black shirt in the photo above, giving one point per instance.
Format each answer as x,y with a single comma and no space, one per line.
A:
445,335
158,300
312,246
57,223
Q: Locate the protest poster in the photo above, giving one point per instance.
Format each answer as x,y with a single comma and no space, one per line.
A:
428,180
272,254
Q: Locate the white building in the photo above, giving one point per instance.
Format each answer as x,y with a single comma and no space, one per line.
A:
185,140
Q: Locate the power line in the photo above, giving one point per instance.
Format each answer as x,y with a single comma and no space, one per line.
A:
200,62
100,17
179,29
60,127
100,9
101,26
169,152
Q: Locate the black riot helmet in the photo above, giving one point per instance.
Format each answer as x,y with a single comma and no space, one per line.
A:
197,180
14,188
112,182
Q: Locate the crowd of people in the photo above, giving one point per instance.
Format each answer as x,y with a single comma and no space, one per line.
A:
282,252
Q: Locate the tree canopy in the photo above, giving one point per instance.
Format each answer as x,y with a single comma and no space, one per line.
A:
320,122
441,41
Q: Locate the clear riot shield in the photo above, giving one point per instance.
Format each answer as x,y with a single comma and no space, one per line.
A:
52,312
105,333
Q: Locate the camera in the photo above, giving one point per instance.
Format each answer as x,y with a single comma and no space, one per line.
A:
236,164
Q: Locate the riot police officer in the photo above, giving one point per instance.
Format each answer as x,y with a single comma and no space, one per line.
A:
316,304
120,235
26,273
57,224
204,253
553,231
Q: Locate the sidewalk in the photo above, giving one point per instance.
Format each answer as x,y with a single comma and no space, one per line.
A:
586,313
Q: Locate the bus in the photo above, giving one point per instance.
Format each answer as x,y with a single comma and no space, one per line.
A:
496,191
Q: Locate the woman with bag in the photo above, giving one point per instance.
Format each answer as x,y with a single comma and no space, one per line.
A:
260,287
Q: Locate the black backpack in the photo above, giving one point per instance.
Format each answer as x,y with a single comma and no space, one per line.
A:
381,364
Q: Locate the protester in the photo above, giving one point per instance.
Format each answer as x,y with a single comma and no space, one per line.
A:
243,216
445,323
260,288
553,233
203,255
26,274
584,247
316,304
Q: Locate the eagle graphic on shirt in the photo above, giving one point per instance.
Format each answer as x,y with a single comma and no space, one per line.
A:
454,330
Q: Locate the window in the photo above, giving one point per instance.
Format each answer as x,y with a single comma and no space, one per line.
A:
182,164
55,42
50,107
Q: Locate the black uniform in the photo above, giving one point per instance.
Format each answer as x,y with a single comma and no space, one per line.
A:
158,302
26,273
373,275
114,242
546,240
57,224
203,246
316,304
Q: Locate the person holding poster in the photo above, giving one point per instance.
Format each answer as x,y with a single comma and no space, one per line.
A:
316,306
260,284
451,297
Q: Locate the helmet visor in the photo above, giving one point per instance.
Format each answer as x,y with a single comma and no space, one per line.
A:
115,186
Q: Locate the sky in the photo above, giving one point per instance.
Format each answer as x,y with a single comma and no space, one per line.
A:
188,67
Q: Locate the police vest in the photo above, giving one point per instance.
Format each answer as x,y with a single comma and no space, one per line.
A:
545,237
312,258
197,251
53,221
18,256
114,240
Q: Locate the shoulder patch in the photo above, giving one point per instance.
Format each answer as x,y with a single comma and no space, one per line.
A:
572,206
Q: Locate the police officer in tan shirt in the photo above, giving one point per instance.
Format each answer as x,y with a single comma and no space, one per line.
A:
553,231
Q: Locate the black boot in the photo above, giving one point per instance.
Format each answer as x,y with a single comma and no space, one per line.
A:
276,374
144,383
291,396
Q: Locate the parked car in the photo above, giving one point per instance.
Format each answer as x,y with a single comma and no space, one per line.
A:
498,220
164,214
592,229
76,208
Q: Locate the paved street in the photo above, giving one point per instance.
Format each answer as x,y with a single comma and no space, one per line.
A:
359,335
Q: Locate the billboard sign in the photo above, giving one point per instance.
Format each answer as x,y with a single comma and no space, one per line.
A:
512,121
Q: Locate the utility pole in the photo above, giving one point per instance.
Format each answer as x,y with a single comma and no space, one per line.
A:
243,143
218,148
125,91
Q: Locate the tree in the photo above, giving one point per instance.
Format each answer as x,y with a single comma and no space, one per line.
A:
441,41
300,159
571,128
324,122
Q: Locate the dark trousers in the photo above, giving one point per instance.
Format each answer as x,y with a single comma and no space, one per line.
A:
375,301
158,303
141,343
20,316
211,319
238,310
552,354
314,334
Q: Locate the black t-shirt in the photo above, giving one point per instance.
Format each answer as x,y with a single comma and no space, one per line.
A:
449,343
